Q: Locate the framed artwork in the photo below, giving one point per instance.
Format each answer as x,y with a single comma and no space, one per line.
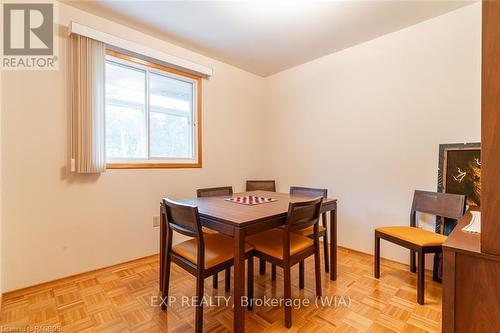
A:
459,172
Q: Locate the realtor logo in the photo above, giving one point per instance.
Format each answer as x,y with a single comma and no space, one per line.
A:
29,41
28,29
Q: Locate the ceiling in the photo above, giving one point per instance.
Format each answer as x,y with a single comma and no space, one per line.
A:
266,37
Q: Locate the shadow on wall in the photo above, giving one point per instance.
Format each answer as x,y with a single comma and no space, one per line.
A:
77,178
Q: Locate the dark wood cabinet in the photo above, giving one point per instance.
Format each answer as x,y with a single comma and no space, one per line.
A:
471,270
490,129
471,284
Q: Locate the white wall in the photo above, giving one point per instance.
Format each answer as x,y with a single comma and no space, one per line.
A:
374,113
56,225
366,122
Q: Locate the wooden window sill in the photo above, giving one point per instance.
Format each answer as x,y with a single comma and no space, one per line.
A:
152,165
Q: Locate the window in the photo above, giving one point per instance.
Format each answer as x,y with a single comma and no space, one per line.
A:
152,115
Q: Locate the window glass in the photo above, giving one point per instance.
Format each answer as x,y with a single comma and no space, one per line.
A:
171,117
125,112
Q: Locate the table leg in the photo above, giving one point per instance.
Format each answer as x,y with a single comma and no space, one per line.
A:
326,252
239,281
333,244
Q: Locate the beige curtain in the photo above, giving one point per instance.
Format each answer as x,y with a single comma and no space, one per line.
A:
87,61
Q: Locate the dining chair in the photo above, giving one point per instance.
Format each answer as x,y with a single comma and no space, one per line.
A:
308,232
417,240
214,191
285,248
217,192
261,185
201,256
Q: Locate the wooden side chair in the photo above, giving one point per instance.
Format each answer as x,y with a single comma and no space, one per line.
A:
261,185
285,248
201,256
214,192
308,232
217,192
421,241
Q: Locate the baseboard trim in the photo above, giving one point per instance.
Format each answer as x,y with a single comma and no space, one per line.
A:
115,266
47,284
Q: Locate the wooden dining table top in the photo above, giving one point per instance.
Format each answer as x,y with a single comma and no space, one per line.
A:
240,220
242,215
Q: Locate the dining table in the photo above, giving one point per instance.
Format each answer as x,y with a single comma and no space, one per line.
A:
240,221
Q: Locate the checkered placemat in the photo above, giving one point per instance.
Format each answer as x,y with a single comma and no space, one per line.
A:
250,200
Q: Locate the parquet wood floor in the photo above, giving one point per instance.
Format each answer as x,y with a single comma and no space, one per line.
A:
118,299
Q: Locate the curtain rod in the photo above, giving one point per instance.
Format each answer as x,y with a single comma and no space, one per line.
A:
176,62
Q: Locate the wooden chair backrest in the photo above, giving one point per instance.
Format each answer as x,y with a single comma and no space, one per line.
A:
303,214
214,192
182,218
309,191
261,185
444,205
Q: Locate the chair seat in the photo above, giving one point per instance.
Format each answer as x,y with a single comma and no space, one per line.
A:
218,249
271,243
306,232
416,236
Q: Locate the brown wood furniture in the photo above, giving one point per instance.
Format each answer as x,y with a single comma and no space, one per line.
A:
214,191
471,284
285,248
421,241
261,185
240,221
490,129
322,229
217,192
308,232
202,256
471,270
